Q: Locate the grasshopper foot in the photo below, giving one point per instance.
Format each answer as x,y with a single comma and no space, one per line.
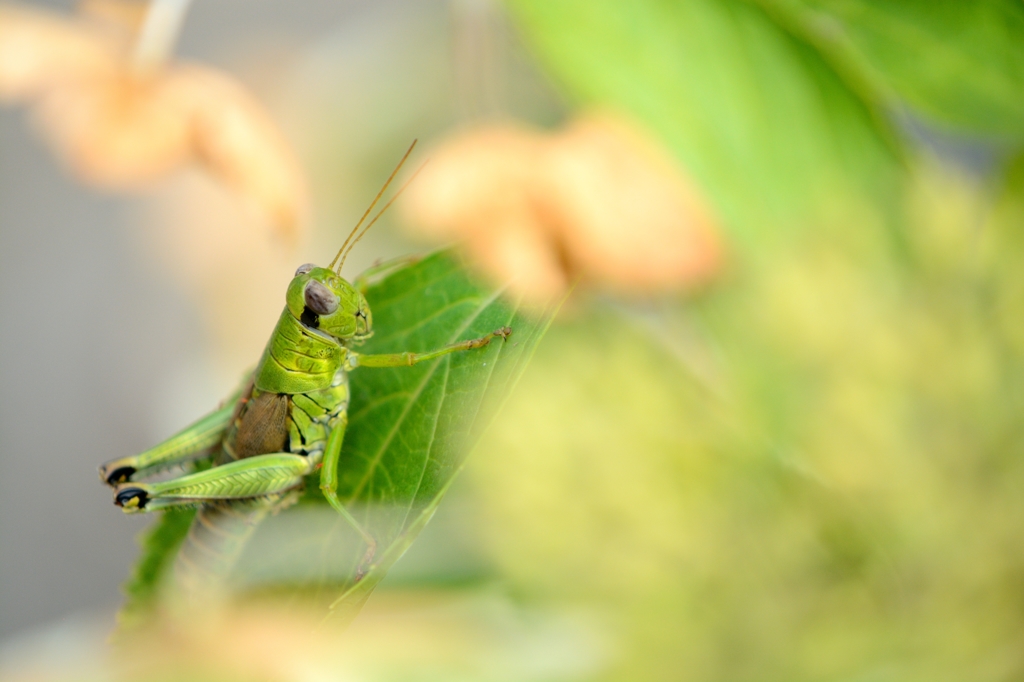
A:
118,475
503,332
366,565
131,498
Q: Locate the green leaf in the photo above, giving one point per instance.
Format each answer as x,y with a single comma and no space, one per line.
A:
159,543
761,121
957,63
410,429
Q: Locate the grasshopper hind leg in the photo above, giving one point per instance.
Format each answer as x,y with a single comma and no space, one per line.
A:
253,477
191,443
114,476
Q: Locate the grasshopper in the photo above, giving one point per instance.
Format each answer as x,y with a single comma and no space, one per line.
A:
288,418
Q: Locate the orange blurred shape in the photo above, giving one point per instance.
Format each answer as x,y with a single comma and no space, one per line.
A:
119,126
599,201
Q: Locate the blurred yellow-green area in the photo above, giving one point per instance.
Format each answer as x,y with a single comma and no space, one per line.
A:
811,466
813,474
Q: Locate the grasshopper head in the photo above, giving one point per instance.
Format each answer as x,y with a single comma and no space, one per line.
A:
322,300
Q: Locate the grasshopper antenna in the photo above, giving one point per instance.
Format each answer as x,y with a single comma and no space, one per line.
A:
380,213
370,208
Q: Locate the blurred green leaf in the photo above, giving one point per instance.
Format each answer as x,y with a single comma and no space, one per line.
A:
957,63
767,128
159,544
409,431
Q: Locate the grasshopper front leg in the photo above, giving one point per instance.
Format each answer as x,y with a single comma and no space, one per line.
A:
190,443
409,359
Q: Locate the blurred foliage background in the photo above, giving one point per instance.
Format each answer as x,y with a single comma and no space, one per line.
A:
808,468
811,471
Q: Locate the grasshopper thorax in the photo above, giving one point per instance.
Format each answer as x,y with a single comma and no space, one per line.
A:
323,301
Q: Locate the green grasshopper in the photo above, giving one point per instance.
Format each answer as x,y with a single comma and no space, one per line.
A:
288,419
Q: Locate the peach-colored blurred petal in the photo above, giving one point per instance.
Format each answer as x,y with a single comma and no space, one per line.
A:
401,635
40,50
121,128
627,215
474,176
479,187
599,201
118,134
236,139
515,250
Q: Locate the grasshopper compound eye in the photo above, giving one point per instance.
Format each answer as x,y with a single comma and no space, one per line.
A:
320,299
303,269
